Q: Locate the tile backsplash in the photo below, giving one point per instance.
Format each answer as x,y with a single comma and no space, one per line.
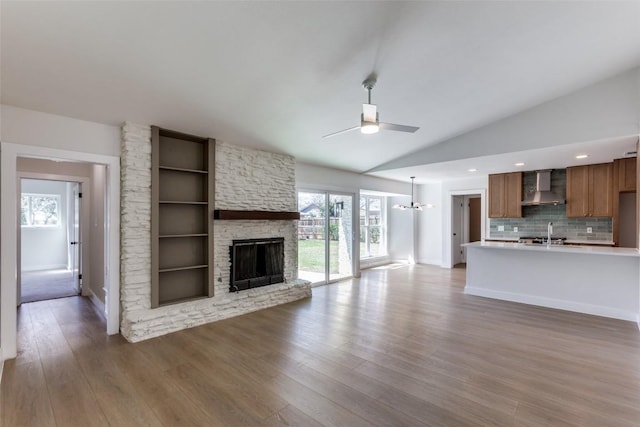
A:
535,218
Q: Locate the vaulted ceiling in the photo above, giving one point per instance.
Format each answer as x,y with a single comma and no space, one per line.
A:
279,75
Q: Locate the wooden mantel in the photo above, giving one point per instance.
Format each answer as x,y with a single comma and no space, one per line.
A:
254,215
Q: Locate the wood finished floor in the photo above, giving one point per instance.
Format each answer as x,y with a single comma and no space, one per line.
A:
398,347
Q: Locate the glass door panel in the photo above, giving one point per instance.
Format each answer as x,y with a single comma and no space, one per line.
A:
340,236
311,237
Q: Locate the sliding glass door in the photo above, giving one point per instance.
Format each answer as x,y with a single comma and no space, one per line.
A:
312,237
325,236
340,236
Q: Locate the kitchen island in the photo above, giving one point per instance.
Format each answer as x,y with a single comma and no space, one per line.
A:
604,281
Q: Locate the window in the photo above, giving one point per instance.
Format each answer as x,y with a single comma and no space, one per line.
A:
40,210
373,227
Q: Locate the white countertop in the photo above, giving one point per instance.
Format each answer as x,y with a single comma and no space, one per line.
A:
568,242
587,250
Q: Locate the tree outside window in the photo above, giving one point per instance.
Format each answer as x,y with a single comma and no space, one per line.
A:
40,210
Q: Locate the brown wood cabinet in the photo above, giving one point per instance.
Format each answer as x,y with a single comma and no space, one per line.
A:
624,182
590,191
505,195
182,199
625,172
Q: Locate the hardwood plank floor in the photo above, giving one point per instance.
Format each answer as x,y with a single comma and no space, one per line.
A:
402,346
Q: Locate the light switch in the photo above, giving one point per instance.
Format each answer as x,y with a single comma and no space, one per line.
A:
589,230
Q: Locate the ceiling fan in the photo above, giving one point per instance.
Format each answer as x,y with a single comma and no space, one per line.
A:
369,119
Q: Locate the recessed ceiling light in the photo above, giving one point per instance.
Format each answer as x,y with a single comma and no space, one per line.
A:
582,156
472,170
519,164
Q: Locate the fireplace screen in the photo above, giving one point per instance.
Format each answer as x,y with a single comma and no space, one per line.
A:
256,262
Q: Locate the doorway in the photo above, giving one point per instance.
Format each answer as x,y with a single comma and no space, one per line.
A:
49,240
466,224
325,236
108,220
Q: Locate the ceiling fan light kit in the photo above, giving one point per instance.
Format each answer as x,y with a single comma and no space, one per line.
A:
370,119
368,127
414,205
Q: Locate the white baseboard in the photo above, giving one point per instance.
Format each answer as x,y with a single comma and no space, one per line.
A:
98,304
46,267
435,262
374,262
596,310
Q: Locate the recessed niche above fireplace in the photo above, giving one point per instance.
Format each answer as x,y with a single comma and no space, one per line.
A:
256,263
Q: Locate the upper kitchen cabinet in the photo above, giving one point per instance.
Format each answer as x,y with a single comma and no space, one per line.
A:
505,195
590,191
625,170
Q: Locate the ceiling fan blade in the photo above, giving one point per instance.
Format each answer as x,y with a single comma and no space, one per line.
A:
369,112
399,128
341,131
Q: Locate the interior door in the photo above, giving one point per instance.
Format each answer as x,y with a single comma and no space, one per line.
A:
475,219
340,236
76,237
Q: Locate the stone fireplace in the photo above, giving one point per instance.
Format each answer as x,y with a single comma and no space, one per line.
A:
246,180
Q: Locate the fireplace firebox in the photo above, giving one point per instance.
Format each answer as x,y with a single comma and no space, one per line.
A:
256,262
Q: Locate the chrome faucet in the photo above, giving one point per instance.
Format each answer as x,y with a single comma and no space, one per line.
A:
549,232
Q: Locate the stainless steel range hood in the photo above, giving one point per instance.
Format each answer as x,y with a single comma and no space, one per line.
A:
543,194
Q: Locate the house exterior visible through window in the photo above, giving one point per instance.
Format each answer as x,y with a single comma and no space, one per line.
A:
40,210
373,226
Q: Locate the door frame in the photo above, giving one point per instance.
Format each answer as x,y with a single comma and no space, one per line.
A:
328,195
355,231
85,188
448,215
9,263
457,227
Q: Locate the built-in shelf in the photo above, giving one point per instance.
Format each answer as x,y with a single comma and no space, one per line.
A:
182,193
167,168
179,202
174,236
254,215
188,267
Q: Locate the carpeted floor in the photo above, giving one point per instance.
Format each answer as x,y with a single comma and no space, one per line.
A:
47,284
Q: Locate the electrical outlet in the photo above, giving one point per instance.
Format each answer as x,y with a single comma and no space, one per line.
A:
501,228
515,229
589,230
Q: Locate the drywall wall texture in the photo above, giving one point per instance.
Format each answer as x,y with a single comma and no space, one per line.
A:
535,218
246,179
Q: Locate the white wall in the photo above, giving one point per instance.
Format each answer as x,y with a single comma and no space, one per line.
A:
320,178
27,127
401,238
434,228
45,248
429,229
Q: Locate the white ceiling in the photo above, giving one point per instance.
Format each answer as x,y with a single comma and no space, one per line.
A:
558,157
279,75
